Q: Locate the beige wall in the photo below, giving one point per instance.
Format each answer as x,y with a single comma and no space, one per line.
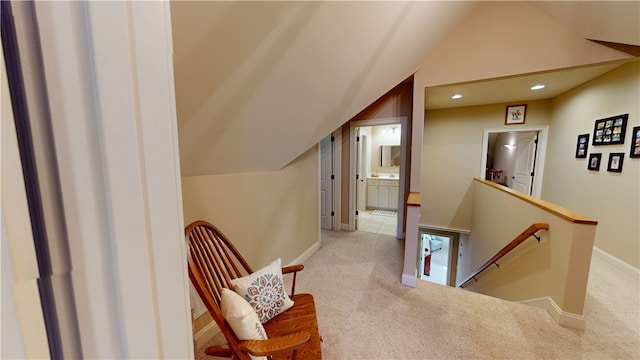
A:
452,156
611,198
397,102
557,267
267,215
505,38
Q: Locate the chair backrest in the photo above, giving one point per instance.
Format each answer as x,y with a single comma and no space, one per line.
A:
213,261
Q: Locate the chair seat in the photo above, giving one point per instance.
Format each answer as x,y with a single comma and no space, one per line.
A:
300,317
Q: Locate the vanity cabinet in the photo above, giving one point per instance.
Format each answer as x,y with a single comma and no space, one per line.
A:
382,194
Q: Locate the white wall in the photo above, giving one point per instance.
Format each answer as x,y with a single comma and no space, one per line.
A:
381,135
504,157
109,73
611,198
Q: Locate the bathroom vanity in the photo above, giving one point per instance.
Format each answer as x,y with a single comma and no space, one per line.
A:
382,192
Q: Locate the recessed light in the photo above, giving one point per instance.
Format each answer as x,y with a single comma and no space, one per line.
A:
456,96
537,87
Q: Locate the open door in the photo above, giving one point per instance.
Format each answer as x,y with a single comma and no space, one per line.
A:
520,153
361,172
524,166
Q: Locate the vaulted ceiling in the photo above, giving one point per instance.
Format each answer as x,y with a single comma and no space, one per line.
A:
259,83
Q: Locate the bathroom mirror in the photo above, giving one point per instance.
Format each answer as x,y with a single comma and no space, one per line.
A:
390,155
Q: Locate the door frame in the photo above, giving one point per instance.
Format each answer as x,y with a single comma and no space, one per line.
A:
404,123
452,256
543,133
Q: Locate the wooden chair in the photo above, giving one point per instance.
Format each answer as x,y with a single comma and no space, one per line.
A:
213,261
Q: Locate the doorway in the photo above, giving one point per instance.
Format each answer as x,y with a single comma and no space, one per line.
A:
438,256
515,158
377,188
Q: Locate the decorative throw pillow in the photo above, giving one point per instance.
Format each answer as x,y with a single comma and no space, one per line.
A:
264,291
241,317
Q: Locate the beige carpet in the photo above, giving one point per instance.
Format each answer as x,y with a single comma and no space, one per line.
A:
365,313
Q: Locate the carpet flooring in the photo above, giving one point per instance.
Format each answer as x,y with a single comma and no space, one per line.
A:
365,313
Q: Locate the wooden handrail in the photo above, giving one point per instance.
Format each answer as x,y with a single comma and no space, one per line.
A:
545,205
530,231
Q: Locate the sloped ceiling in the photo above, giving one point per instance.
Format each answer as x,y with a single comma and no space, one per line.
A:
258,83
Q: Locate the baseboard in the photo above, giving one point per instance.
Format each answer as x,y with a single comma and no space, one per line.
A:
563,318
207,333
345,227
409,280
615,262
307,254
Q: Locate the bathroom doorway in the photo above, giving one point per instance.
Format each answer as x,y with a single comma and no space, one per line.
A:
378,185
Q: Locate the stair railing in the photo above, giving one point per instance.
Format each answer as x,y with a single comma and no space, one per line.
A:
530,231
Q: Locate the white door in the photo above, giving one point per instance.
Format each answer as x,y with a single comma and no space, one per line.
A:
360,173
326,171
523,171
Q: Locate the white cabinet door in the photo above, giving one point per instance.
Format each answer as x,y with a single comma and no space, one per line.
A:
393,197
373,198
383,200
382,194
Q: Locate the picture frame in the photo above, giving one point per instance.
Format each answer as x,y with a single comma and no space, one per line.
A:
594,161
610,131
635,143
515,114
615,162
582,145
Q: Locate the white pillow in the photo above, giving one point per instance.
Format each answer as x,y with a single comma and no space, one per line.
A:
241,316
264,291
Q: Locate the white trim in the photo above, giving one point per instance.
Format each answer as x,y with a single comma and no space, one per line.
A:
447,229
24,335
563,318
109,73
205,334
543,132
615,262
409,280
307,254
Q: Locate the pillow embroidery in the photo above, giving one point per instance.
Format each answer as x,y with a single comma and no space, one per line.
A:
266,295
264,291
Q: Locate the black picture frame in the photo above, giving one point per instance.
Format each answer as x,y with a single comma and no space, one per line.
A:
635,143
615,162
610,131
581,146
594,161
